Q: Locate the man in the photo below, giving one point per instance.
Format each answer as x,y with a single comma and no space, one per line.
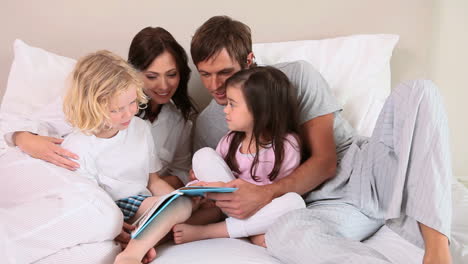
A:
376,181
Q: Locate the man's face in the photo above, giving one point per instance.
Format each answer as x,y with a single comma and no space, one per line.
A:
213,73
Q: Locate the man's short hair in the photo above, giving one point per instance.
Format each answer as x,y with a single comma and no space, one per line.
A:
221,32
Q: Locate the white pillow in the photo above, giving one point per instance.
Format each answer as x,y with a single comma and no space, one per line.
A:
37,77
357,68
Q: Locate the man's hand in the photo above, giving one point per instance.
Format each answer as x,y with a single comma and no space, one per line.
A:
247,200
45,148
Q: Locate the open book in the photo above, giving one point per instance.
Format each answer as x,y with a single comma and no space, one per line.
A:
152,212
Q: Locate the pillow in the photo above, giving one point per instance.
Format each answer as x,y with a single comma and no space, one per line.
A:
36,78
357,68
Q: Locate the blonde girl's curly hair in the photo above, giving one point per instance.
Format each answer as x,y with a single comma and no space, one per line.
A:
96,79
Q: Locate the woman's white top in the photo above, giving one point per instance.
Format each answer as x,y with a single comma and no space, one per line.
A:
172,139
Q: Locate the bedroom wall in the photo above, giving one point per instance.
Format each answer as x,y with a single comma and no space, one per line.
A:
449,70
74,28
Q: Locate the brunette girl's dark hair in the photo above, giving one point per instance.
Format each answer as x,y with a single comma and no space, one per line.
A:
271,100
147,45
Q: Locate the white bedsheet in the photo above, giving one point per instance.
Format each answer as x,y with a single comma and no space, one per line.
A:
213,251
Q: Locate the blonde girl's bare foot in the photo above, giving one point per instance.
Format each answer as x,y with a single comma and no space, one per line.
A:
126,259
150,256
258,240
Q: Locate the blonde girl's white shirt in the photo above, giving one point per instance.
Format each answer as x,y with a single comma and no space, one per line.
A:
121,164
172,138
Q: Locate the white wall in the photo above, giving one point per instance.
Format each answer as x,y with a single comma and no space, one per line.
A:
74,28
450,72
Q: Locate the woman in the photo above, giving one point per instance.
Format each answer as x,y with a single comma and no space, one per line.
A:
165,72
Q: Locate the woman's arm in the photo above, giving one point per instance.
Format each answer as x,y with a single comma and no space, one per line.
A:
39,134
45,148
182,159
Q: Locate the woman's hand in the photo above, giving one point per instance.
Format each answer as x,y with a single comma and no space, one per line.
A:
45,148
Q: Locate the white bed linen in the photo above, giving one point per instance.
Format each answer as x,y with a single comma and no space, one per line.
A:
240,251
53,215
213,251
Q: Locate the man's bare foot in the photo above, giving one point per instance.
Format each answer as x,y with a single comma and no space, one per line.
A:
184,233
438,256
258,240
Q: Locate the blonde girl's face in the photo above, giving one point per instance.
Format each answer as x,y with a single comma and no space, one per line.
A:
238,116
161,78
122,108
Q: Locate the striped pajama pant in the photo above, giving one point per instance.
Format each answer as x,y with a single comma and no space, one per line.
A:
395,179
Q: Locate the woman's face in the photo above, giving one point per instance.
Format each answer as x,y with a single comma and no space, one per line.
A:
161,78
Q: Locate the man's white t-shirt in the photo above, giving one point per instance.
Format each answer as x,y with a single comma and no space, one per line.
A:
121,164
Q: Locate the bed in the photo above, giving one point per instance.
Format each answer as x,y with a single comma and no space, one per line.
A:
356,67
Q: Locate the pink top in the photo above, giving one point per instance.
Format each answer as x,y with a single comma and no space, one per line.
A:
292,158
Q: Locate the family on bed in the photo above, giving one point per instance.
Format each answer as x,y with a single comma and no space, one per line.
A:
309,189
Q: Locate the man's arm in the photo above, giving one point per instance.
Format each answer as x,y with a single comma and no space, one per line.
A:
320,166
317,135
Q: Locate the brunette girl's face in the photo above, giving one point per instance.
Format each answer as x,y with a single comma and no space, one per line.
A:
161,78
238,116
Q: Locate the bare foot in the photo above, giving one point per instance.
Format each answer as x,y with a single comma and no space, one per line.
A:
184,233
150,256
258,240
125,259
438,256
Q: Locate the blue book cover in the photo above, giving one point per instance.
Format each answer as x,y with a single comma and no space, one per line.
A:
167,199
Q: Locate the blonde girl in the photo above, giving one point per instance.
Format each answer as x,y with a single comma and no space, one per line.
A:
115,148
